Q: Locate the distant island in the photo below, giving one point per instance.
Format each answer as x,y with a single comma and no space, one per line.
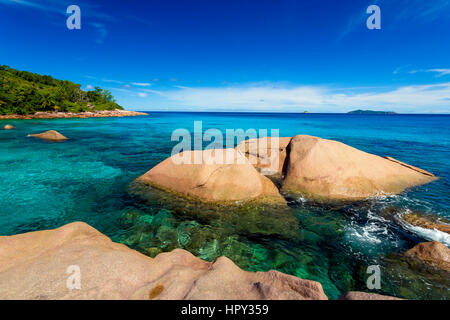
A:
370,112
24,94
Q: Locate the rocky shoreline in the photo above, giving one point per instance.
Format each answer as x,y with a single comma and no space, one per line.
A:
110,270
83,115
114,271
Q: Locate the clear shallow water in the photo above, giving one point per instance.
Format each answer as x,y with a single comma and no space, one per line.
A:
45,185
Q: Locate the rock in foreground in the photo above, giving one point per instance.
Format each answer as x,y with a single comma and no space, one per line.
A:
358,295
50,135
232,180
433,253
330,170
33,266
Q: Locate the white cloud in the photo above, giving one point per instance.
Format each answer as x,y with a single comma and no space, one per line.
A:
441,72
142,94
89,87
112,81
141,84
283,98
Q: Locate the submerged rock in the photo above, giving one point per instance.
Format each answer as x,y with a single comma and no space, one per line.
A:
8,127
50,135
266,154
330,170
433,253
426,222
234,179
410,278
34,265
426,225
358,295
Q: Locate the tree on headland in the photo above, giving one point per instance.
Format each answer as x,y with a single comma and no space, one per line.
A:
23,92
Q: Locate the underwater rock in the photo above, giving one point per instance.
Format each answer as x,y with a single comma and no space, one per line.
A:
358,295
8,127
426,225
232,180
50,135
247,218
426,222
330,170
45,265
411,278
433,253
266,154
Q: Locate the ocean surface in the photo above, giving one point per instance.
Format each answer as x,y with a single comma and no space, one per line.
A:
46,185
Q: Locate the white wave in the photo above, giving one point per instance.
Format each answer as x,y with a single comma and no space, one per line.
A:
375,231
428,234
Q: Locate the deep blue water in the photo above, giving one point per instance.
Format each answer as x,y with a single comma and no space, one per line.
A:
45,185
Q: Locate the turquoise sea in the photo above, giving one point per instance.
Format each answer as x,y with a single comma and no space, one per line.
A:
46,185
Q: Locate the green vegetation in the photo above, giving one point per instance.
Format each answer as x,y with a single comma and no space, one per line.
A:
370,112
23,92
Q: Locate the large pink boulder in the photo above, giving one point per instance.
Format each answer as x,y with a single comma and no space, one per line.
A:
45,265
330,170
234,179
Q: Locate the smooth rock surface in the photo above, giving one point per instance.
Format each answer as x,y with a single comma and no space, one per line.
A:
50,135
267,154
358,295
330,170
8,127
33,266
233,180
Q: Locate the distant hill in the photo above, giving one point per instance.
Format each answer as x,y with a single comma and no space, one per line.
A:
23,92
370,112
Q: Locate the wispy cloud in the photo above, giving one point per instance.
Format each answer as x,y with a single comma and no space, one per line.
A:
141,84
26,4
405,10
92,12
439,72
283,98
357,20
401,69
112,81
101,32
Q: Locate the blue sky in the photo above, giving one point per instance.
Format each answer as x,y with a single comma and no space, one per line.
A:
242,55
